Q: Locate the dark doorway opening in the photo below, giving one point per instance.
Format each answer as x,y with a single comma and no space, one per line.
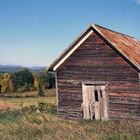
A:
96,95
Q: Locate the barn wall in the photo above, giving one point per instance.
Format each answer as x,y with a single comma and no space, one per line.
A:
94,61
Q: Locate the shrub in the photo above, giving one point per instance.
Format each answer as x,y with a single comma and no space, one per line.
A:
41,91
42,107
49,108
22,89
30,109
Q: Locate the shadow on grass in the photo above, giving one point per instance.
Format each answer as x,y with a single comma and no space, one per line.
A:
10,116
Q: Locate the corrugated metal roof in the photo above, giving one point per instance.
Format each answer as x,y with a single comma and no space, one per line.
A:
127,46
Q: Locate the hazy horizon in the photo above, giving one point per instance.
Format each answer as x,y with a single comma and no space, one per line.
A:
35,32
18,65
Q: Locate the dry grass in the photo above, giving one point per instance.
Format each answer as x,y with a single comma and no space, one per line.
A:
43,126
5,106
33,125
22,102
17,103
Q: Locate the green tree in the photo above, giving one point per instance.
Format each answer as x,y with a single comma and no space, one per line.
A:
51,79
41,87
23,80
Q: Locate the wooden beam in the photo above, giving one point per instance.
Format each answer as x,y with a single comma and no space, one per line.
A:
76,46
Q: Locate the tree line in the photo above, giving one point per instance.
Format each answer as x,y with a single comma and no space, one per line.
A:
25,80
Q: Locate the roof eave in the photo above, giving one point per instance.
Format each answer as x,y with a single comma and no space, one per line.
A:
113,46
56,61
92,27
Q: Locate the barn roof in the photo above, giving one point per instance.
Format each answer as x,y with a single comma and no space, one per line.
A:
128,47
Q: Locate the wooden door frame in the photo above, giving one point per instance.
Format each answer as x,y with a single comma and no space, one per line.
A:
99,83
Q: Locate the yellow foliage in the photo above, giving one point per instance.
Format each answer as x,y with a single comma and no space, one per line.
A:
6,83
11,85
36,84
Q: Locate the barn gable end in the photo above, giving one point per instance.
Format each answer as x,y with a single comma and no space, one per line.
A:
128,47
95,62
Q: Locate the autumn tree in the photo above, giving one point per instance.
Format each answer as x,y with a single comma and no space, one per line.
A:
24,80
36,81
11,84
5,83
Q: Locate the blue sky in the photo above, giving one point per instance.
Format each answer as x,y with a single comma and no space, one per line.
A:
35,32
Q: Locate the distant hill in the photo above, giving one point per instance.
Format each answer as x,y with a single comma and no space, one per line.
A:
37,69
15,68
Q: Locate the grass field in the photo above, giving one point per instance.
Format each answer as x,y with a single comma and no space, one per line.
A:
28,121
15,103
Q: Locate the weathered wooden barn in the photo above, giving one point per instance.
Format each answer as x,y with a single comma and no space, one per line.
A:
98,76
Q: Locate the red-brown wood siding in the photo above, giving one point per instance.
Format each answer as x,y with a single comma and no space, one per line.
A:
94,61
